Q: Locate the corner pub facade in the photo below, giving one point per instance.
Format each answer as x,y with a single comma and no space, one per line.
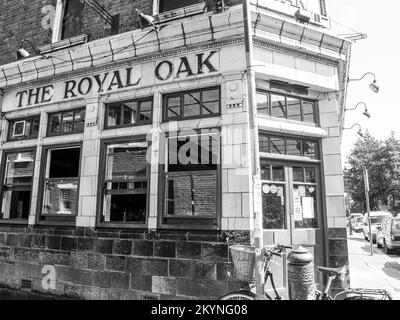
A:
98,198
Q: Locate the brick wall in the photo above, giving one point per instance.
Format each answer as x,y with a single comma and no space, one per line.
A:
93,264
29,20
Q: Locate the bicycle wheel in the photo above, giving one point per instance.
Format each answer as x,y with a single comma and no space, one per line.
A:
240,295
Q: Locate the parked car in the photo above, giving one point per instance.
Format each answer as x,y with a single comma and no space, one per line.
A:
357,224
376,220
388,234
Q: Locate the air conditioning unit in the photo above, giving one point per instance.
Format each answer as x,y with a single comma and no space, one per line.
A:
19,129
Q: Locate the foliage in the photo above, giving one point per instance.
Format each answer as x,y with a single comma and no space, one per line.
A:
382,161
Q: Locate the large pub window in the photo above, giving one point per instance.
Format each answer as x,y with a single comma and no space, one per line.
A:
279,105
191,179
125,183
166,5
192,104
22,129
16,186
61,182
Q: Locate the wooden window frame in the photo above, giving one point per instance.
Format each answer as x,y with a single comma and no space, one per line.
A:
2,176
56,220
301,99
181,95
121,104
188,223
101,180
11,122
75,111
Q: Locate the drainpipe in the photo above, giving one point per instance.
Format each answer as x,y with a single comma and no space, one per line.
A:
257,236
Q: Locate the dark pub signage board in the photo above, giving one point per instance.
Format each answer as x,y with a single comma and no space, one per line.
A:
136,76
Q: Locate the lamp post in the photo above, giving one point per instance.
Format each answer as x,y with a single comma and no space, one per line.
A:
366,188
256,179
359,132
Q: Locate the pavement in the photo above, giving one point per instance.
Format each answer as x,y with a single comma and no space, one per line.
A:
379,271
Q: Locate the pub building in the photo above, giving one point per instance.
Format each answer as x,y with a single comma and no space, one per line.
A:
126,154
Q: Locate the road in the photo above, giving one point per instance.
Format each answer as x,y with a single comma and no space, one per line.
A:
379,271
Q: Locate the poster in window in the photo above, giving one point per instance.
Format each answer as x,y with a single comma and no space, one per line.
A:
308,208
298,211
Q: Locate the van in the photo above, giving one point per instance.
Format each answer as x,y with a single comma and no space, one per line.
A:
388,235
376,220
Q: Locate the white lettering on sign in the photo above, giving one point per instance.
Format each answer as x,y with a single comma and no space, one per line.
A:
49,280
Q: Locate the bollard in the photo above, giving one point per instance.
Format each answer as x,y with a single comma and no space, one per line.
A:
301,274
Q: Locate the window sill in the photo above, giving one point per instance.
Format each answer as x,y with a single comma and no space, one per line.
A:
63,44
180,13
121,225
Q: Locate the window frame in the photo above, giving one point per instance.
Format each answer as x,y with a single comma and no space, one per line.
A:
121,104
59,22
300,98
2,176
57,220
101,180
181,95
316,141
61,112
188,223
11,122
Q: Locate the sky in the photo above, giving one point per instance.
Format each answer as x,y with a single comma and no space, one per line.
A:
380,54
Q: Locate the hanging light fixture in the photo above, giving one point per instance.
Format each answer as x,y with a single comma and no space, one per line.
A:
150,20
374,86
359,132
23,53
365,113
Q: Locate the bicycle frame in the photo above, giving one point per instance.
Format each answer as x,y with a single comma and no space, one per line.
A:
268,275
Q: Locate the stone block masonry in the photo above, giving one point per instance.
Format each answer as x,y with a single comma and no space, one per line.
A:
95,264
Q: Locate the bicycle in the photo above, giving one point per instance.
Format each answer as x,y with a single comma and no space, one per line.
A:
333,273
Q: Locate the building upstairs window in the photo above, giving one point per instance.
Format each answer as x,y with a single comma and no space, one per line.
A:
283,106
66,122
167,5
23,129
68,19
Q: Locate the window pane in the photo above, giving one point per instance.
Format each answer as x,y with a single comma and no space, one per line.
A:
145,111
265,171
308,111
278,173
191,194
16,204
262,103
263,142
72,21
293,109
309,149
166,5
293,147
298,174
130,112
311,175
278,108
79,124
19,167
210,95
35,127
210,107
126,161
191,104
67,121
114,116
64,163
125,208
174,107
55,123
273,206
305,206
60,197
277,145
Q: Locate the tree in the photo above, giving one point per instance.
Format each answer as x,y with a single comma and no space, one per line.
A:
382,160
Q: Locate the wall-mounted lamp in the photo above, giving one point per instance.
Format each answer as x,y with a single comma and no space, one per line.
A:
22,53
374,86
149,19
359,132
365,113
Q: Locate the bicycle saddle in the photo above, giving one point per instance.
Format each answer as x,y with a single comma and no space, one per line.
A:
331,271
